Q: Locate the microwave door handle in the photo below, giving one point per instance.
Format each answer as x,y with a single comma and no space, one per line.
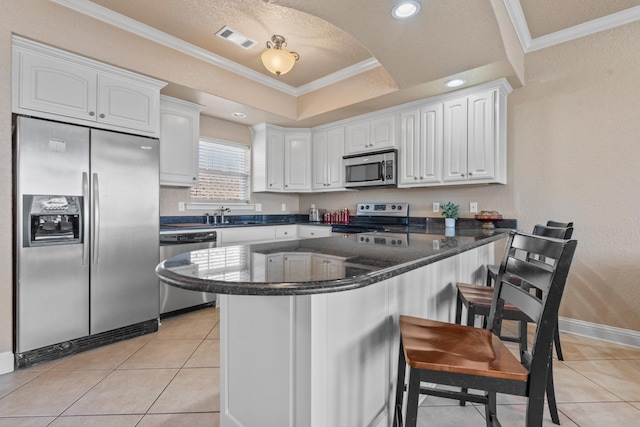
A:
381,170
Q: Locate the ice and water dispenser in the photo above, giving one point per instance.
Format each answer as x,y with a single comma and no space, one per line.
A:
52,220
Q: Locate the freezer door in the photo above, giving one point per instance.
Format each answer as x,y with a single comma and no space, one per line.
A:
125,230
52,282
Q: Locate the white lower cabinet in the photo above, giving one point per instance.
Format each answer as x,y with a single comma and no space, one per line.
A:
179,142
313,231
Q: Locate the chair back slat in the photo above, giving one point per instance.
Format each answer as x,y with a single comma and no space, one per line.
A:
556,232
526,302
531,271
559,224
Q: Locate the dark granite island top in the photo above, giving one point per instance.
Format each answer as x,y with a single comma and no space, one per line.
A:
364,257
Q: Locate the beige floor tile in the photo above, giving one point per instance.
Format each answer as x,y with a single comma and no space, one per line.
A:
445,417
192,390
50,393
636,404
194,325
514,416
162,354
97,421
210,419
26,422
124,392
575,347
215,333
206,356
618,414
614,375
107,357
12,380
571,386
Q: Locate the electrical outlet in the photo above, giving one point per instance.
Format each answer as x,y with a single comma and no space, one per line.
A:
473,207
436,207
284,207
258,207
181,207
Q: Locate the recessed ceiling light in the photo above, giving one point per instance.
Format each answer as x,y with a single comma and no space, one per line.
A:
239,115
405,9
454,82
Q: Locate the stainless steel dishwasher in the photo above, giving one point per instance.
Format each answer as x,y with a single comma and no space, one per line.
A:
176,244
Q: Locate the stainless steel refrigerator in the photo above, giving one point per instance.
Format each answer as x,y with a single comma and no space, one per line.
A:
87,226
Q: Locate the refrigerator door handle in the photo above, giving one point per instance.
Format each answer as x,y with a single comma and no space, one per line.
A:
95,235
85,218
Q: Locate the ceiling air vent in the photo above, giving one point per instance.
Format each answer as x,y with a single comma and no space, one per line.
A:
235,37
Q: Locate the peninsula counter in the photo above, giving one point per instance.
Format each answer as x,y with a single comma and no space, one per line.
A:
308,328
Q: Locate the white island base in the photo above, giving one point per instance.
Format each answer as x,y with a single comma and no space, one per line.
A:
329,360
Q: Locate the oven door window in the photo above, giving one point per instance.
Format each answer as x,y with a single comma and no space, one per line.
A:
366,172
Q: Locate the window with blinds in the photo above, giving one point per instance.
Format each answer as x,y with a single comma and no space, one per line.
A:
223,172
229,264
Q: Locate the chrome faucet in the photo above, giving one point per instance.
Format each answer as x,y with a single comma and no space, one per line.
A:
222,211
207,218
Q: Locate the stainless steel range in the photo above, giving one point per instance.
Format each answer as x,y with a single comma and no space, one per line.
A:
376,217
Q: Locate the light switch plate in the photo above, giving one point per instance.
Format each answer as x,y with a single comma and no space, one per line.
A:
436,207
473,207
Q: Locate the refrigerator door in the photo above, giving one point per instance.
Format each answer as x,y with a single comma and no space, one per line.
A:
52,282
125,230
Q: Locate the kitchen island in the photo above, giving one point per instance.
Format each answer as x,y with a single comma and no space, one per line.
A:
309,327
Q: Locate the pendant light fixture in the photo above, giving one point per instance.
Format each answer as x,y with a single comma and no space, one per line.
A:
276,59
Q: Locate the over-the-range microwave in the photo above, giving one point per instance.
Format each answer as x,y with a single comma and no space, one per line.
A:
371,170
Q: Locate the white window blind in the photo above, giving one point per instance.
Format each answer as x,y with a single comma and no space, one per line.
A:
229,264
223,172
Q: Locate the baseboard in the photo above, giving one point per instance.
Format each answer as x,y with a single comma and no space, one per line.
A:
6,362
600,332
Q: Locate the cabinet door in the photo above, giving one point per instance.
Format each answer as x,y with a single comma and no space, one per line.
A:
297,157
275,160
275,268
55,86
286,232
431,143
335,151
297,267
357,137
455,140
383,132
409,147
126,103
481,134
320,160
179,142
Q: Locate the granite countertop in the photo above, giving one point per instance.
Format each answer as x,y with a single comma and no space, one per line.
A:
360,260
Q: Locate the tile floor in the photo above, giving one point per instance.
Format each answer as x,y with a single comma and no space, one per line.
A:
171,378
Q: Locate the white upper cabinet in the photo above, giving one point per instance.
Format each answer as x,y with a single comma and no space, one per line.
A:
421,146
55,84
179,142
281,159
328,149
297,161
372,134
469,138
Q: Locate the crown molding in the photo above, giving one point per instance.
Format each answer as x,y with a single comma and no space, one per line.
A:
514,9
118,20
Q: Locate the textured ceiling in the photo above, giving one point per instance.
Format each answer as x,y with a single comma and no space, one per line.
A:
473,38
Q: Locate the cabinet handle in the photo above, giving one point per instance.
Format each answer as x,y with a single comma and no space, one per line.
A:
270,185
193,179
102,116
422,177
91,113
470,173
286,232
286,185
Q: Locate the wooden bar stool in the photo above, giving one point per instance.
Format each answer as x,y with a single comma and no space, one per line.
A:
477,299
475,358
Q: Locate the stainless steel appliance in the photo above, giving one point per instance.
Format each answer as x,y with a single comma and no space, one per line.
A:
387,239
177,245
87,223
375,170
376,216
